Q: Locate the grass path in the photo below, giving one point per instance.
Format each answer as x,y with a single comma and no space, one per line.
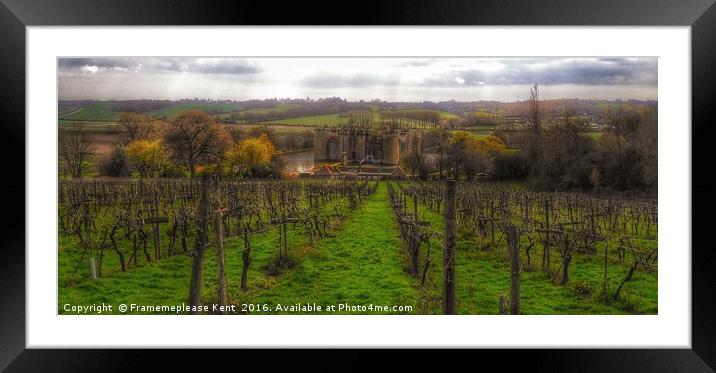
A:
362,265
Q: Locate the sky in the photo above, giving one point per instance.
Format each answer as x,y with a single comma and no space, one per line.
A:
390,79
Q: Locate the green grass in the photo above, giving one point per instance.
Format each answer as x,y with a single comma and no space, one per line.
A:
482,275
211,108
66,109
312,121
446,115
280,108
363,262
480,131
90,126
443,114
166,282
96,111
360,266
104,111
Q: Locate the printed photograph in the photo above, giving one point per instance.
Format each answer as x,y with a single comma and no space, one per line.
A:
357,186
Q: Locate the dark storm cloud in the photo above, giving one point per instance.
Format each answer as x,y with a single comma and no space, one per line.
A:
232,66
356,80
603,71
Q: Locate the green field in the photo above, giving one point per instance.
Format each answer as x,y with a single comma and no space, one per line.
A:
105,112
66,109
280,108
96,111
211,108
90,126
312,121
481,131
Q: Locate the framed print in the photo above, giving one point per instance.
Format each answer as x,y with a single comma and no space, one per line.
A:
212,180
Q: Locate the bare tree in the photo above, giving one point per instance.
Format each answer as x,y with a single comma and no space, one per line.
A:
194,136
438,139
75,149
535,115
134,127
417,163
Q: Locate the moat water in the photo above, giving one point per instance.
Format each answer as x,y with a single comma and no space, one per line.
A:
299,161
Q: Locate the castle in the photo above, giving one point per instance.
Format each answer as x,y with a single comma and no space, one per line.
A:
356,144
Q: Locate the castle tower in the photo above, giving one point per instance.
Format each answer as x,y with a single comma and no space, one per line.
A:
320,144
391,148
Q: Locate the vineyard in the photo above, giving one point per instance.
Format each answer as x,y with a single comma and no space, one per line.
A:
466,249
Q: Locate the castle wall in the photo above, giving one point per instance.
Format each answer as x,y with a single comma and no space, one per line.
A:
333,149
361,143
331,144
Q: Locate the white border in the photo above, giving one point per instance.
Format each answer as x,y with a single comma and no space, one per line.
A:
670,328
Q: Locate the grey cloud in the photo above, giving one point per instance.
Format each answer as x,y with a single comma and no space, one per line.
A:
603,71
232,66
357,80
417,62
72,63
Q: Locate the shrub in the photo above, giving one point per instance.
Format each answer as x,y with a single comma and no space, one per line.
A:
510,166
114,164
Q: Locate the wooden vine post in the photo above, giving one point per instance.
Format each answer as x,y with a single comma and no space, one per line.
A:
88,238
449,250
220,244
155,226
513,240
246,257
200,246
545,252
606,269
416,236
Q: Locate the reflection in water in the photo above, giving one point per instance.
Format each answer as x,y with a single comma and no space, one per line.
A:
300,161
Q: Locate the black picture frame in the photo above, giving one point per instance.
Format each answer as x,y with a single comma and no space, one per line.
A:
16,15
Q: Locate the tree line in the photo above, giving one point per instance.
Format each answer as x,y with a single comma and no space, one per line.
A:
191,142
453,154
558,154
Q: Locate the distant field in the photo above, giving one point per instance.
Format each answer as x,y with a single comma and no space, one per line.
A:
480,131
280,108
104,111
172,111
446,115
283,128
312,121
66,109
480,135
443,114
97,111
90,126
